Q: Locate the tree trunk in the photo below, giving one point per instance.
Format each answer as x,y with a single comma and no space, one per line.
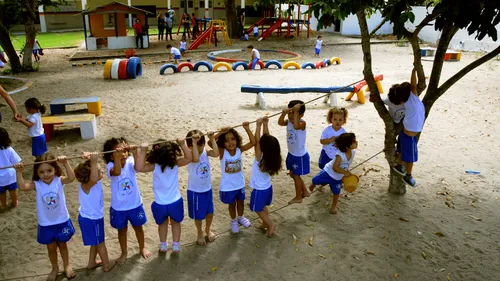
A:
232,25
30,30
11,53
396,184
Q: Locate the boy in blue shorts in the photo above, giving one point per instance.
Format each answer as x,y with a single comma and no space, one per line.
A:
317,46
297,160
255,55
174,51
256,32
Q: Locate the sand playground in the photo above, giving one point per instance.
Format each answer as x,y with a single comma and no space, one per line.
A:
445,229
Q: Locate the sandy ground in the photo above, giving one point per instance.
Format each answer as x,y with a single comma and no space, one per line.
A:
367,240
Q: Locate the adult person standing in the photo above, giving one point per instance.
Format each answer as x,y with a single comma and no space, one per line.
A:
241,22
171,14
194,23
161,26
138,33
186,20
10,102
168,26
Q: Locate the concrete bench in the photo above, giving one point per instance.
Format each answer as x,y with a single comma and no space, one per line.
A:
58,106
88,128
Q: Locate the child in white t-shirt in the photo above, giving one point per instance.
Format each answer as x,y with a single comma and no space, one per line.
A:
317,45
35,126
8,157
175,52
256,32
183,46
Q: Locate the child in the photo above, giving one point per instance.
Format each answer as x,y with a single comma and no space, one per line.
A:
8,157
182,47
200,199
174,51
318,44
126,200
164,161
232,182
244,37
256,32
266,164
35,127
91,211
255,55
413,122
54,225
37,50
336,169
397,111
297,160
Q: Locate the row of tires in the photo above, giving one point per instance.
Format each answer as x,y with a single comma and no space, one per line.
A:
245,66
123,68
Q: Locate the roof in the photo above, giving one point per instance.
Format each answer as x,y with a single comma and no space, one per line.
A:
97,9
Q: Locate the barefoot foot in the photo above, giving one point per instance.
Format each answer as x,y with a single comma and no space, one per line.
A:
69,272
53,274
94,264
145,253
320,189
305,193
200,240
311,187
211,236
294,201
122,258
270,230
333,211
262,226
111,264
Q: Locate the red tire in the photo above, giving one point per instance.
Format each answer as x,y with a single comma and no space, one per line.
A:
122,69
260,63
320,65
184,64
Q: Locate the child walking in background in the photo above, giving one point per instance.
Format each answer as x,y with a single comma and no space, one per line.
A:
35,127
91,211
126,199
232,182
164,161
37,50
182,46
54,225
175,52
297,160
336,169
256,32
200,198
267,163
317,46
8,157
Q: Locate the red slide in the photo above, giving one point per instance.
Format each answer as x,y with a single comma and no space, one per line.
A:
270,30
205,35
259,22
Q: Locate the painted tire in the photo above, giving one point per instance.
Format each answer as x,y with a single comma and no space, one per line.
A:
107,69
202,63
335,60
240,63
260,63
184,64
308,64
320,64
122,69
114,68
327,62
222,64
290,64
134,68
167,66
273,62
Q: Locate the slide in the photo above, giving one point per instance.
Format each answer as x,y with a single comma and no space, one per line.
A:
270,30
204,36
259,22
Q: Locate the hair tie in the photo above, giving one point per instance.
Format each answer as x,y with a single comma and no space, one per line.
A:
156,147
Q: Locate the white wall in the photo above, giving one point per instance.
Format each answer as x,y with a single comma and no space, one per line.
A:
350,25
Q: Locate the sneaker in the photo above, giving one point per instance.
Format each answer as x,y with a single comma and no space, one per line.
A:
400,170
176,247
244,221
409,180
234,226
163,247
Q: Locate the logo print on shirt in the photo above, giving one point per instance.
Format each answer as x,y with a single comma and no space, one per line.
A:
291,137
125,187
51,200
203,170
399,114
233,166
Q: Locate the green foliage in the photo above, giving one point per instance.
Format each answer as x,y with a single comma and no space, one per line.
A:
12,12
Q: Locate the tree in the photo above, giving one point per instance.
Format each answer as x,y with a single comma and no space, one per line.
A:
479,17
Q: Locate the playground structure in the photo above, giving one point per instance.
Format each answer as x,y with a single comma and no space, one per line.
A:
123,68
210,34
27,84
201,22
213,55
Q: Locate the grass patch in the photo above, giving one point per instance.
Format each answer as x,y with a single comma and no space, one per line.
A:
50,39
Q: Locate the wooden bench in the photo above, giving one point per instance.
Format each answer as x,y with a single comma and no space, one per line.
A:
58,106
88,128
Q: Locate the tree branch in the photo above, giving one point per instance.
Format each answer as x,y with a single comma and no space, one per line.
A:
28,6
430,17
384,20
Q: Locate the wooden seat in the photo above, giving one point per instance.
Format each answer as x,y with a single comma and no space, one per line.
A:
58,106
88,127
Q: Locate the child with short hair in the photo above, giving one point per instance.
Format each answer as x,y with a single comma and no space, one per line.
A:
267,163
336,169
8,157
35,127
413,122
317,46
244,37
297,160
37,50
232,182
256,32
175,52
255,56
126,199
55,228
91,212
164,161
182,46
199,193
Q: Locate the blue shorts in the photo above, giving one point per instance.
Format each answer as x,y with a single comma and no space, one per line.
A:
38,145
254,62
200,204
174,211
55,233
317,50
92,231
323,159
407,146
37,52
12,186
324,178
298,165
182,50
177,57
261,198
229,197
256,34
120,219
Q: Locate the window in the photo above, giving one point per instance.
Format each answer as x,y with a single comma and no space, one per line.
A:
210,4
183,4
202,3
190,4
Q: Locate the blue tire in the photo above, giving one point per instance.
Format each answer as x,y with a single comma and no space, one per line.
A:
238,63
134,67
167,66
308,64
327,62
203,63
273,62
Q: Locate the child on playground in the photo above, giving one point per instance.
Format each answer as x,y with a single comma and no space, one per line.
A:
175,52
91,211
34,124
255,55
8,157
182,46
317,46
199,193
297,160
336,169
37,50
256,32
126,199
267,163
244,37
232,182
54,225
413,122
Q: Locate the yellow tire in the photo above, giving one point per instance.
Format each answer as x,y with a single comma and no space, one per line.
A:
335,60
290,64
107,69
223,64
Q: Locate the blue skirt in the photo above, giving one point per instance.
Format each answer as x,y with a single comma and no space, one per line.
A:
38,145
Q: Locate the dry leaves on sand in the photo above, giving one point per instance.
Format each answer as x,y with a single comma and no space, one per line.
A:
476,218
404,219
311,240
294,239
439,233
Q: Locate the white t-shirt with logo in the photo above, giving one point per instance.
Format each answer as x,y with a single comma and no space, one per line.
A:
166,185
37,129
199,174
8,157
125,194
330,148
415,114
183,45
50,202
233,176
296,140
397,111
344,164
259,180
91,204
319,43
